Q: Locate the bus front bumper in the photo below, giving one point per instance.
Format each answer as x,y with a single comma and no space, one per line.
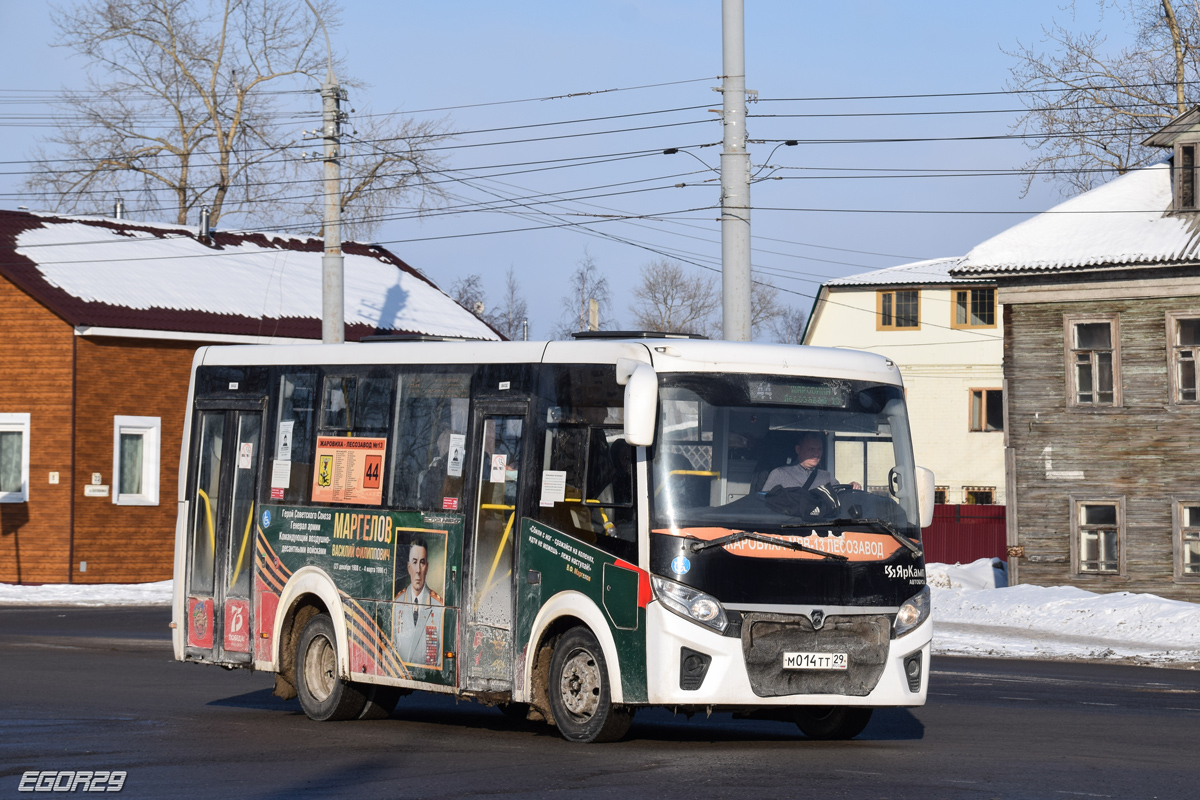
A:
726,682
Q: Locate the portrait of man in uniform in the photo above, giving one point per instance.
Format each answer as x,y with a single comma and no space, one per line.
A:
417,613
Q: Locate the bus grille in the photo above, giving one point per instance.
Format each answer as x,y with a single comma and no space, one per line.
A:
766,637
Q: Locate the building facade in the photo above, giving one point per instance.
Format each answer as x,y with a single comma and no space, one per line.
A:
1101,299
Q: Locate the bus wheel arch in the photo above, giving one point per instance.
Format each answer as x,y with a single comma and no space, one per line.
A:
308,592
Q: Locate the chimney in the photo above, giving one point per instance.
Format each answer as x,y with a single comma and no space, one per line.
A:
205,228
119,208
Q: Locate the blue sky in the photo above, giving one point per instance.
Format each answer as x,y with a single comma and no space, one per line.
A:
419,56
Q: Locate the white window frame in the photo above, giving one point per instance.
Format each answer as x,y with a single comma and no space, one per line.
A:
1077,504
1173,351
18,423
150,428
1178,503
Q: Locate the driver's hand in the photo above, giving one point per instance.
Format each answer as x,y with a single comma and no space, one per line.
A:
856,485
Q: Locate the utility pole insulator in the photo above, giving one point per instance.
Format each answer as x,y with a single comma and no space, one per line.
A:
735,179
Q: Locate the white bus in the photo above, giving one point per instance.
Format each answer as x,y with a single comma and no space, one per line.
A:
568,530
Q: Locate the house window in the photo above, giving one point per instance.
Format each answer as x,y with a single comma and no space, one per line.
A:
987,410
979,495
1186,516
939,495
1097,527
898,309
136,442
974,308
1185,184
14,458
1093,361
1183,333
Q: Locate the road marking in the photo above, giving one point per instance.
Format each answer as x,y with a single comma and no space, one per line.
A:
1083,794
1028,699
1085,703
1176,708
942,694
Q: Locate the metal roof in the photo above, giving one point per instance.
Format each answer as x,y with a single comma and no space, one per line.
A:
109,273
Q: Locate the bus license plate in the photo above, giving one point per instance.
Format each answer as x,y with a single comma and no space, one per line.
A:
814,661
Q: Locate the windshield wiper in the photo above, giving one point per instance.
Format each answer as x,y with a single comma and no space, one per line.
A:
878,524
758,537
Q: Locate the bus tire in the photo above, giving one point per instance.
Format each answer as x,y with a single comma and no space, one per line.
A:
323,695
832,722
580,697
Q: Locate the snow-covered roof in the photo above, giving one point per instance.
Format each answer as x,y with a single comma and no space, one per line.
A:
1123,222
936,270
119,274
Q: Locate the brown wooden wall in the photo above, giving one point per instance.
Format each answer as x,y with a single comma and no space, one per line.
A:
1144,451
35,378
136,377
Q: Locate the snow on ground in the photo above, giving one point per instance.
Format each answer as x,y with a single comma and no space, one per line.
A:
95,594
974,613
972,617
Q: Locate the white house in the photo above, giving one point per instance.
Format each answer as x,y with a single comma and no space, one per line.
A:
946,336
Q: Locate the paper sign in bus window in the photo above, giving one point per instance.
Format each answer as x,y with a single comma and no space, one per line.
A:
349,470
458,453
499,461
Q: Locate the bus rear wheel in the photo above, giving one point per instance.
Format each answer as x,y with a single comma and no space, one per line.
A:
832,722
323,695
580,696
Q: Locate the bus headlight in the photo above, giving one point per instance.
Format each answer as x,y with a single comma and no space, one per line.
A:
690,603
914,611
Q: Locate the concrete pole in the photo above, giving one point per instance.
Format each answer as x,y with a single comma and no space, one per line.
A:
333,293
735,179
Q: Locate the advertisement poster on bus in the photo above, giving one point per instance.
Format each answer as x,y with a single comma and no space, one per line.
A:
392,568
349,470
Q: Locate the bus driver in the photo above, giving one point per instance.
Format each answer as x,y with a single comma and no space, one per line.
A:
417,613
809,449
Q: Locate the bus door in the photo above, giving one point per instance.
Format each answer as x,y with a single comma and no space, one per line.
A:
224,466
487,662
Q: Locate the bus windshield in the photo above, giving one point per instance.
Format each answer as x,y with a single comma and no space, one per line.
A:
738,450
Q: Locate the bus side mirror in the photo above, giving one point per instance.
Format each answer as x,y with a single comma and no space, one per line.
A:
641,400
925,483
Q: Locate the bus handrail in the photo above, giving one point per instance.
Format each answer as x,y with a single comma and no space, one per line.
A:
242,551
705,473
212,536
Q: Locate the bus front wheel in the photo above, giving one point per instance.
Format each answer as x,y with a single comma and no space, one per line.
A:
580,696
832,722
323,695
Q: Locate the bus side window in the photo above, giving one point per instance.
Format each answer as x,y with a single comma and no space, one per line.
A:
429,441
584,438
294,423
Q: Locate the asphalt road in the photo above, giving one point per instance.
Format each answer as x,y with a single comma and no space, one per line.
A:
97,689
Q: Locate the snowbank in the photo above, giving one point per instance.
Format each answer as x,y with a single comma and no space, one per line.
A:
973,618
97,594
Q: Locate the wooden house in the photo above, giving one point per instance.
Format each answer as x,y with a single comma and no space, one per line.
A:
99,320
1101,306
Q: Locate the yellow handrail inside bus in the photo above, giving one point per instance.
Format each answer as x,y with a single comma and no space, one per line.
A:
242,551
212,536
702,472
487,585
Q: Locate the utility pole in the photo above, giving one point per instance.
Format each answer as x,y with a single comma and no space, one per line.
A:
735,178
333,293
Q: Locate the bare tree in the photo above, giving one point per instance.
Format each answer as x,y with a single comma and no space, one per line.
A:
1089,110
510,315
669,299
586,286
468,292
765,308
788,327
182,108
